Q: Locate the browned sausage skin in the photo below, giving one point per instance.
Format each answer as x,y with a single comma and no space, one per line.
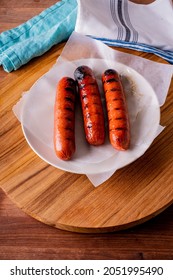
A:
118,119
92,109
64,118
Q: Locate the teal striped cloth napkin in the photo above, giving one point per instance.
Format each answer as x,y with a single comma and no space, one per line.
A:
37,35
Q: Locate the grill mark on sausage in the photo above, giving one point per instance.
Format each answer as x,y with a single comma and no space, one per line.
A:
82,86
70,81
85,106
84,96
68,119
112,90
117,98
89,126
121,118
111,80
110,72
116,109
118,128
69,109
70,89
69,128
69,99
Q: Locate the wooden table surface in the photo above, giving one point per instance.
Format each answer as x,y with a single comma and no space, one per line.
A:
23,237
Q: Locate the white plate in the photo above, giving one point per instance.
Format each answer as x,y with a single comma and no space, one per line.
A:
37,119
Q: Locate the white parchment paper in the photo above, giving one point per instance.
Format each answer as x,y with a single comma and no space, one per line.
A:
146,85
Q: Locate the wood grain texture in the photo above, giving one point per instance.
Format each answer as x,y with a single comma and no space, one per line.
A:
22,237
13,13
22,172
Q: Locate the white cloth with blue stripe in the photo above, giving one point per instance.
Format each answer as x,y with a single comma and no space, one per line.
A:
122,23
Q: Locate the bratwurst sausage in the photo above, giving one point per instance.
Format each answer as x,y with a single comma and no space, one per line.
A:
118,120
64,118
93,115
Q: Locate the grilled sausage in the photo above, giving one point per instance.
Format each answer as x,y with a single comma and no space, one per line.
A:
93,115
118,120
64,118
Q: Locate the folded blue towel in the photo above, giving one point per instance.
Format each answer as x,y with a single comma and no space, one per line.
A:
37,35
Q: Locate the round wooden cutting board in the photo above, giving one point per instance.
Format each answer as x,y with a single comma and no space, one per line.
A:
69,201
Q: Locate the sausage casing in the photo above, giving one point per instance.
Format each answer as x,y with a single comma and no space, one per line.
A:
64,118
118,119
93,115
